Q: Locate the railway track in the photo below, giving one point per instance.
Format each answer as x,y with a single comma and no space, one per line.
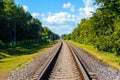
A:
63,65
46,66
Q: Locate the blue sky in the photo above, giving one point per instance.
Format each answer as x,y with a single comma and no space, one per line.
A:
60,16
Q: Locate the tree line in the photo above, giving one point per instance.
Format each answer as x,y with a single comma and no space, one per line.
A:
102,30
18,25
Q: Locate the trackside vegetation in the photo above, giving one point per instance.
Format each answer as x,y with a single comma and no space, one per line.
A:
106,57
102,30
13,58
22,36
18,27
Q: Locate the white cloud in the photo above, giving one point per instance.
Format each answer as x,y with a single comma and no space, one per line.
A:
61,22
25,8
61,29
42,15
69,6
86,11
59,18
64,22
35,14
88,3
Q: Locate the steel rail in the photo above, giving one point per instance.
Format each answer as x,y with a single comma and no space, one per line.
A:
46,69
53,59
79,64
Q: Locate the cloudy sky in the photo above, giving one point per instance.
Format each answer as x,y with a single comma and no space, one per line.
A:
61,16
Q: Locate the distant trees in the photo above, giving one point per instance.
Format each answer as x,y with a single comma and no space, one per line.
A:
48,35
102,29
15,22
66,36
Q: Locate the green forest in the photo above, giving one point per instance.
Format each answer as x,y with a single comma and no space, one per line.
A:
102,30
19,28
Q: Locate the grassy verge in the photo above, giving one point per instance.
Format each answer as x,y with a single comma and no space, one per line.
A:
109,58
11,62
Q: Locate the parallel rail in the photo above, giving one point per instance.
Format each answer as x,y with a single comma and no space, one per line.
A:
81,68
46,69
79,64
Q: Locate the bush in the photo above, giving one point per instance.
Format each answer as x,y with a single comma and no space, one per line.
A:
117,47
2,45
28,43
116,36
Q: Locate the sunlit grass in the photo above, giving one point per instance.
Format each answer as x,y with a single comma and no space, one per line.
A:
8,64
12,62
2,55
109,58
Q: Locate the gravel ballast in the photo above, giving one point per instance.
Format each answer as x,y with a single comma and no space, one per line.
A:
30,70
97,67
101,70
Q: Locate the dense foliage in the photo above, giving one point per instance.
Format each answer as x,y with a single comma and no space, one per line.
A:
102,29
18,25
66,36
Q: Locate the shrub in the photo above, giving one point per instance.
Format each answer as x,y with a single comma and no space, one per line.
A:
2,45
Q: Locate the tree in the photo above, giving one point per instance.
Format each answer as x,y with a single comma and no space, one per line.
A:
17,24
48,35
102,29
66,36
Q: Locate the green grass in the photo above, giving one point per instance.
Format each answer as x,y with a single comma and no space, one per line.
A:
109,58
3,55
11,62
8,64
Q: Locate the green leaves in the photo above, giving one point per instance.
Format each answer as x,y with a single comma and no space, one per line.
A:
102,29
27,27
66,36
48,35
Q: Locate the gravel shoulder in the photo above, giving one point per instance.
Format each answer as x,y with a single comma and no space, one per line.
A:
65,67
101,70
30,70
